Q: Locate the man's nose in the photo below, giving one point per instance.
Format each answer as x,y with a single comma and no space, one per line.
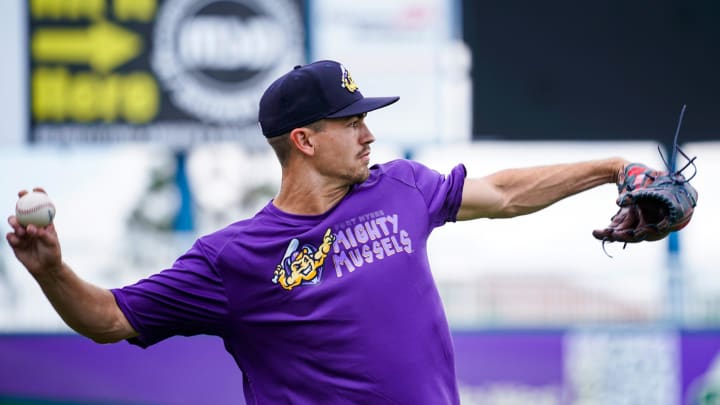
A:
367,136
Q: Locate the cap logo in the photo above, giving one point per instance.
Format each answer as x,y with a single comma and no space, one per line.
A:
347,81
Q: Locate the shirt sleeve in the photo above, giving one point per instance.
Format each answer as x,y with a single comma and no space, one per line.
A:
187,299
442,193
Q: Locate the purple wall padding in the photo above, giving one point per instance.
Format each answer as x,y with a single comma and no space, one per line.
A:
179,371
197,370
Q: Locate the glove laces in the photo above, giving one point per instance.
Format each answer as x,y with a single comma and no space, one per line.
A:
670,164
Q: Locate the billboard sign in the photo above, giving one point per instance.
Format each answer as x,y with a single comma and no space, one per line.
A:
174,71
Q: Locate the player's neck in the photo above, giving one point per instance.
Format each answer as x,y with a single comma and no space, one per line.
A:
309,195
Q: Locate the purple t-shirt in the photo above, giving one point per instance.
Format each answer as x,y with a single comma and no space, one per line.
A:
338,308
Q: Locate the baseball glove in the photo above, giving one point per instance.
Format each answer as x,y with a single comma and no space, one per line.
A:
652,204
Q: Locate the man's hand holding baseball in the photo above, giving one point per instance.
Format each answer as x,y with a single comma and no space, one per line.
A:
37,248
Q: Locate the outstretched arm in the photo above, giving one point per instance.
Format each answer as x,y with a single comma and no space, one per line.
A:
88,309
512,192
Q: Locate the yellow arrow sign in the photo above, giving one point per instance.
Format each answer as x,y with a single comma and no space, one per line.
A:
103,46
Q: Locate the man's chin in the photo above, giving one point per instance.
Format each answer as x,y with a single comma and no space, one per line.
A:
362,176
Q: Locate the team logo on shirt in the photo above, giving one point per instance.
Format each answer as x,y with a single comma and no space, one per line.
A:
303,265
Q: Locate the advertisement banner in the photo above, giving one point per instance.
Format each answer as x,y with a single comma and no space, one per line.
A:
176,72
504,367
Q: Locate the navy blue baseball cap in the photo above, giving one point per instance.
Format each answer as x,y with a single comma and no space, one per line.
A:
309,93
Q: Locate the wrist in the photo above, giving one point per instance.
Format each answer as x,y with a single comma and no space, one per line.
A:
617,170
49,274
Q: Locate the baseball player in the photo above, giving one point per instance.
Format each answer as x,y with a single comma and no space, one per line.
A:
325,296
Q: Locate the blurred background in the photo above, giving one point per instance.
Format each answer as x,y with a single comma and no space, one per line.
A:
139,119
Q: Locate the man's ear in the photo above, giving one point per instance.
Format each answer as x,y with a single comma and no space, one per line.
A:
303,140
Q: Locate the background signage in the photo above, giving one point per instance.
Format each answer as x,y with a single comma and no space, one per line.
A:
175,71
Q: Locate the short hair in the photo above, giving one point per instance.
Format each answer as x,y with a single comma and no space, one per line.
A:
317,126
281,144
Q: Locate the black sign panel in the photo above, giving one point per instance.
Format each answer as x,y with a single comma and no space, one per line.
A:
175,71
594,70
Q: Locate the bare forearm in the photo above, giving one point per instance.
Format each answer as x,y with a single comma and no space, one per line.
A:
529,190
514,192
86,308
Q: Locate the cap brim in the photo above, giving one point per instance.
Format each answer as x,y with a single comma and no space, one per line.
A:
365,104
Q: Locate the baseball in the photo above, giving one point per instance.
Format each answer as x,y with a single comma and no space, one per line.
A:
35,208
